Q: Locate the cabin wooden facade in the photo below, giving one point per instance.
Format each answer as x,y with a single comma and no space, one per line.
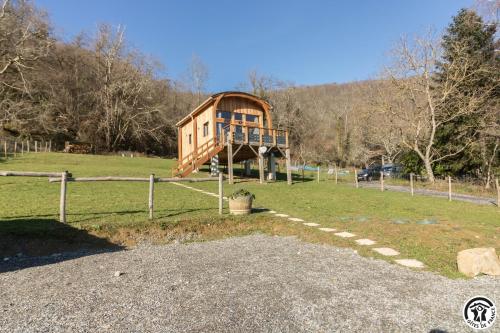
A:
230,127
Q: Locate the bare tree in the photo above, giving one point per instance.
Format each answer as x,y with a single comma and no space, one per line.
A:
422,104
24,38
198,76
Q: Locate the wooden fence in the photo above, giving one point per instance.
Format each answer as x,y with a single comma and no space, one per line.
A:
334,173
65,177
13,148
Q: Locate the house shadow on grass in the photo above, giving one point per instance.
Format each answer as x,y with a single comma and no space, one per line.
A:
37,242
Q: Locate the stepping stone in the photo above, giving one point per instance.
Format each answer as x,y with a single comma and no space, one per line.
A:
327,229
295,219
427,221
344,234
281,215
386,251
310,224
410,263
272,211
365,241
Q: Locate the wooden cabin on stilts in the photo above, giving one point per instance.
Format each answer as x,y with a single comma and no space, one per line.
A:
227,128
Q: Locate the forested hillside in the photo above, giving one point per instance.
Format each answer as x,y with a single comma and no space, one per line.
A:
434,108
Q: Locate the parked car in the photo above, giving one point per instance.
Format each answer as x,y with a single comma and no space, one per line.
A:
392,170
372,173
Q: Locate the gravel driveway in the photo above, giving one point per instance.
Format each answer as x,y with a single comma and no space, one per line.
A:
247,284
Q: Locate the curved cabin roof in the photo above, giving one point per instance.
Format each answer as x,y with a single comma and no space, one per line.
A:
214,100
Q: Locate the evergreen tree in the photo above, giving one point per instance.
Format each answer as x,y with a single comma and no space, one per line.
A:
468,40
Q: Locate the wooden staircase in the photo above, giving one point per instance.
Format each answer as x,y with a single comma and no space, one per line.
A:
197,158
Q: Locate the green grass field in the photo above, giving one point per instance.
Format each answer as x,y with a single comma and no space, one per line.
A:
118,210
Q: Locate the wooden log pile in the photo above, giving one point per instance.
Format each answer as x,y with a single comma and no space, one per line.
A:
77,148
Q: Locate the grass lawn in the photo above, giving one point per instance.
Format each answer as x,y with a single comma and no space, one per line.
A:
117,211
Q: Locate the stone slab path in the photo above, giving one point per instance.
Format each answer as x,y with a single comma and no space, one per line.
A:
386,251
311,224
327,229
365,241
413,263
345,234
410,263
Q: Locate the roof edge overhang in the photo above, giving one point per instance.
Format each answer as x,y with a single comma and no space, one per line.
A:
221,95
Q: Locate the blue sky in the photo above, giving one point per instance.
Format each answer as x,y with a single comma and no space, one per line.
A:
306,42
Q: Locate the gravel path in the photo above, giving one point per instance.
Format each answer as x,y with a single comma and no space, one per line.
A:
247,284
432,193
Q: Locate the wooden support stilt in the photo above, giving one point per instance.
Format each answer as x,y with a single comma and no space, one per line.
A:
230,162
288,167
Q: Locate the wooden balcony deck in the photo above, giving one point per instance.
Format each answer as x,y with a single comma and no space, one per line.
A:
253,136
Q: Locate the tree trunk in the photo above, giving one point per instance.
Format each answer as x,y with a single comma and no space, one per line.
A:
428,170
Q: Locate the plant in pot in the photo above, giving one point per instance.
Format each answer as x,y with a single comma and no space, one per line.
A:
240,202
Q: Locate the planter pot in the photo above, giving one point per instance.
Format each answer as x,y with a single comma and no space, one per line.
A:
240,205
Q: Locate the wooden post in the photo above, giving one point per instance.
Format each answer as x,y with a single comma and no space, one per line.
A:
46,146
230,161
449,188
382,181
411,184
288,167
22,147
221,192
261,168
28,143
151,195
62,201
356,177
15,148
36,146
498,192
318,173
5,149
336,174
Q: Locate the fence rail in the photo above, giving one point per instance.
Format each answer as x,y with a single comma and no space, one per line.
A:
65,177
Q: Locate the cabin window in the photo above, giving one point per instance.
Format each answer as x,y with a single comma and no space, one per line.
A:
224,114
205,129
189,138
252,118
238,116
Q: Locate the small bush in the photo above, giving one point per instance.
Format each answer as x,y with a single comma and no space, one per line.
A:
241,193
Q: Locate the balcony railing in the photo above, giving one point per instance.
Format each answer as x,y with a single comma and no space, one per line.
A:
261,136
